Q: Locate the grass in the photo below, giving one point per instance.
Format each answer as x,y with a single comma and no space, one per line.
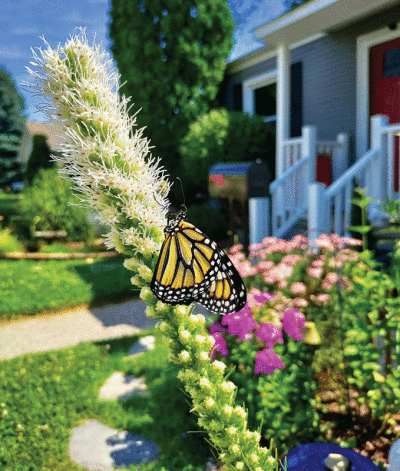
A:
43,396
29,287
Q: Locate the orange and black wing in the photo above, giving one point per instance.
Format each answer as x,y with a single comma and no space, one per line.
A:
191,267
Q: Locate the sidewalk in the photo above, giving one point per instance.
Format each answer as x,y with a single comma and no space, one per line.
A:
61,330
72,327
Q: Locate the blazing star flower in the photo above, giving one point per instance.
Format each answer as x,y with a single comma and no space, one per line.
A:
292,322
267,361
111,168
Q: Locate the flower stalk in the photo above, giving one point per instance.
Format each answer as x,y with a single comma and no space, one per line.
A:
114,173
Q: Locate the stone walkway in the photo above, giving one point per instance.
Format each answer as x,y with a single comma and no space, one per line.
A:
56,331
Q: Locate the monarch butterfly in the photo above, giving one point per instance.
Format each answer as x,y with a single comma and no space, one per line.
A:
191,267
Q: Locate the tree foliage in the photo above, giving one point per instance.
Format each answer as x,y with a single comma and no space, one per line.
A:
225,136
171,54
12,124
40,157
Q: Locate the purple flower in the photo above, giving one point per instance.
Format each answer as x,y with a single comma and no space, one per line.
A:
219,346
267,361
292,321
240,323
217,327
270,333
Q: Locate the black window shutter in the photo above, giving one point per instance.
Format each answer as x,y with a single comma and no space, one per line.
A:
237,97
296,99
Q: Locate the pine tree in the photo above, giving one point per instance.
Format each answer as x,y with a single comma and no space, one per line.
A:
171,54
12,124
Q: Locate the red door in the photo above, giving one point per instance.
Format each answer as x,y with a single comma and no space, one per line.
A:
384,80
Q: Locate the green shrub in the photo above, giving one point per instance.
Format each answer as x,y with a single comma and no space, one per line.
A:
8,206
9,243
45,206
225,136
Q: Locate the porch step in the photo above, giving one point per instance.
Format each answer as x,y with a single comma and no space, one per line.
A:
299,228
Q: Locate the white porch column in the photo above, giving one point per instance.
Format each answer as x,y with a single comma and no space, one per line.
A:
282,103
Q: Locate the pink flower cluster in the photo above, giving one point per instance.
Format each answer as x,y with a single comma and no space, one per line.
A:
279,262
297,275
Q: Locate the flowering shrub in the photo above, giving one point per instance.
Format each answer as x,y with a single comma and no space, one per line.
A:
338,289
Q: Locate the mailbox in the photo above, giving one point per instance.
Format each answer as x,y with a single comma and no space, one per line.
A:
237,184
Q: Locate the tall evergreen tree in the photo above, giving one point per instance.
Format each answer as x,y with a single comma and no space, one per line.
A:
40,157
12,124
171,54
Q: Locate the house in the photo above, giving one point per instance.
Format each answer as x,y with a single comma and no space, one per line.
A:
329,75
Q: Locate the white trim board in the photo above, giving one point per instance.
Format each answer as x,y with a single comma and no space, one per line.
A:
251,84
364,43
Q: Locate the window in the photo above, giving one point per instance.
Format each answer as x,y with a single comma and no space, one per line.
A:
391,63
265,101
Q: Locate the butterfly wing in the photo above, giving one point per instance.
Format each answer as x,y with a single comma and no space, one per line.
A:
227,293
186,265
191,267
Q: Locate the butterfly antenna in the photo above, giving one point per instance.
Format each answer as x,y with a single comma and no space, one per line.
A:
183,193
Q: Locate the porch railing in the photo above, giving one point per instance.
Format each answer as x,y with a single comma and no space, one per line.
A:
330,208
289,192
288,195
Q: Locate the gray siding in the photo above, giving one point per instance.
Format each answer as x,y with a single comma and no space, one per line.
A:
329,85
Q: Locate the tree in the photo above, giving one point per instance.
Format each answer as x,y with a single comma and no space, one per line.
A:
12,124
171,54
40,157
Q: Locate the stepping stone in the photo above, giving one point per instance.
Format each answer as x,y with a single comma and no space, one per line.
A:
97,447
121,386
143,345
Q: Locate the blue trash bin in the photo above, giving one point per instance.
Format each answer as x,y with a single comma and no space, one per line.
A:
311,457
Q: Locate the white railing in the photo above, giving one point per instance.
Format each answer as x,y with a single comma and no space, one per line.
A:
330,208
288,191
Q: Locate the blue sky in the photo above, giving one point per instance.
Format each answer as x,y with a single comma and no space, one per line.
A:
22,22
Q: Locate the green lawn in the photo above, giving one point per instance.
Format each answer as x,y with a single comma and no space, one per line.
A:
28,287
43,396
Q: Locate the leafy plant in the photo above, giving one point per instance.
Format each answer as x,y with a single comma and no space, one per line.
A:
391,207
171,56
9,243
362,202
44,206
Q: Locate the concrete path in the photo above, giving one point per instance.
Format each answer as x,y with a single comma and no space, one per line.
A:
61,330
56,331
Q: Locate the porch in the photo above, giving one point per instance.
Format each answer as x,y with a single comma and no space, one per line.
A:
296,195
